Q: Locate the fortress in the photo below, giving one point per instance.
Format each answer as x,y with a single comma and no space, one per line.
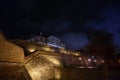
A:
28,60
38,58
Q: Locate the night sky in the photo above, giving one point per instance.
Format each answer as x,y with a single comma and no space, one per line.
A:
71,20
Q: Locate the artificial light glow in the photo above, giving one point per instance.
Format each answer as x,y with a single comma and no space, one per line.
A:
89,60
63,51
31,49
53,60
90,67
77,54
57,74
44,68
54,45
39,72
95,60
34,73
80,58
48,49
103,61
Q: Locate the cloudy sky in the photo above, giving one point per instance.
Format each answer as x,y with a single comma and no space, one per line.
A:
71,20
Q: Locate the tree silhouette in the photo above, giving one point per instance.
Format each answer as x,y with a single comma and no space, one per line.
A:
101,44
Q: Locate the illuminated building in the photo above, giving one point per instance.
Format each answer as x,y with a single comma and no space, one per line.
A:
38,39
55,42
50,41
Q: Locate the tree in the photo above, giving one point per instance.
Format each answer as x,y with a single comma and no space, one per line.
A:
101,44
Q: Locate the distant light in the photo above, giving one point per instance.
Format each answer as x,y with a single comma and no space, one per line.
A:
54,45
92,56
90,67
80,58
103,61
89,60
81,67
87,67
95,60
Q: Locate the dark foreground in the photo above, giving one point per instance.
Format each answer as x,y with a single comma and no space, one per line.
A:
89,74
18,72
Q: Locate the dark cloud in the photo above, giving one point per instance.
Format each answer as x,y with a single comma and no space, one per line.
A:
74,41
72,20
110,22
